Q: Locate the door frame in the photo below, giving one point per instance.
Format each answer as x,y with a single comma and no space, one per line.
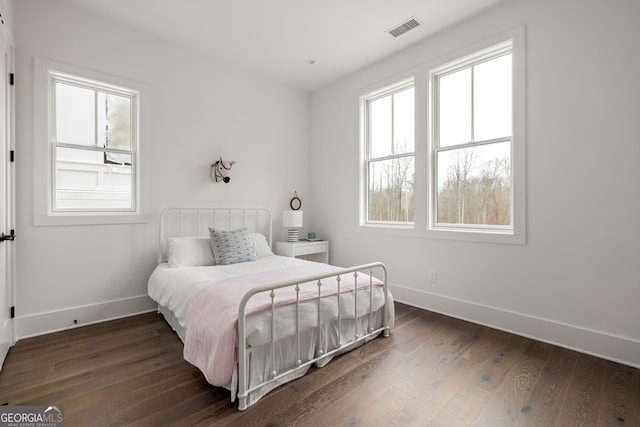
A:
8,171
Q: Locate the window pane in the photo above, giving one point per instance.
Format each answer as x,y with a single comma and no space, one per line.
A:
80,156
380,127
492,99
75,115
91,184
474,185
454,107
391,190
117,127
403,122
118,114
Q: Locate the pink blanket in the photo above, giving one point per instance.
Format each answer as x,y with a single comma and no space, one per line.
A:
211,330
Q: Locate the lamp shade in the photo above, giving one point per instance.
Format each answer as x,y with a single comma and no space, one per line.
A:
292,219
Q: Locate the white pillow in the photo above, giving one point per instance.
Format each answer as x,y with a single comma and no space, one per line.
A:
189,251
262,247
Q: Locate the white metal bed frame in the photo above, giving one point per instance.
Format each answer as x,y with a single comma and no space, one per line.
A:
243,389
196,222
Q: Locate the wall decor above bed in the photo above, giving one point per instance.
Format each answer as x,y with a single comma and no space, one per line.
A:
252,325
220,171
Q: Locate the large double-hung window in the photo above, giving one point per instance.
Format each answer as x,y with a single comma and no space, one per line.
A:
88,133
442,151
389,146
472,142
93,145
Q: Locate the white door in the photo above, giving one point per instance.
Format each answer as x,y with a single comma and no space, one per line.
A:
6,212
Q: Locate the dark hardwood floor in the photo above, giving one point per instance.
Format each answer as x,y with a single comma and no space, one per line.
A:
432,371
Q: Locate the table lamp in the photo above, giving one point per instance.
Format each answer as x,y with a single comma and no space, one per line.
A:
292,220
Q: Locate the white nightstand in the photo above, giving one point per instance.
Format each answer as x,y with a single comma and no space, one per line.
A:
313,251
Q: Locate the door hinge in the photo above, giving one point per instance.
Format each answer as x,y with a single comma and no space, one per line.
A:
10,236
11,79
12,311
12,156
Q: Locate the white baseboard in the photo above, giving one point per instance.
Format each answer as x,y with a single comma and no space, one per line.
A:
607,346
53,321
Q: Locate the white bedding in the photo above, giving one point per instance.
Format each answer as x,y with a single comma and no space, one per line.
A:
176,288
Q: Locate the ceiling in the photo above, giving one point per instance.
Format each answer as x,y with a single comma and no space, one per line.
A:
304,43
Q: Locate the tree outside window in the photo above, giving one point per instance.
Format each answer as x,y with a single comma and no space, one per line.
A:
472,144
390,145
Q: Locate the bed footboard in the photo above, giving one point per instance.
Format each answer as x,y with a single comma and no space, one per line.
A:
362,282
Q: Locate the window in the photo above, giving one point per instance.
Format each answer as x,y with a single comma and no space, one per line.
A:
93,145
442,153
88,141
388,148
471,183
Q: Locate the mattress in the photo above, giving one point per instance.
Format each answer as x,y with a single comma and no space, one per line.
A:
174,289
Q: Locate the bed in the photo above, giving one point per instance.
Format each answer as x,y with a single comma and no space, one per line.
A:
251,320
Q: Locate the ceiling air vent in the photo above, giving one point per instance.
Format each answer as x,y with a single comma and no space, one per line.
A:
404,27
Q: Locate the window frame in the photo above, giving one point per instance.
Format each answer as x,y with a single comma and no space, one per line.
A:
365,150
95,86
509,42
46,74
435,74
424,158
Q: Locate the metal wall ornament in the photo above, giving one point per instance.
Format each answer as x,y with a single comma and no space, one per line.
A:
295,203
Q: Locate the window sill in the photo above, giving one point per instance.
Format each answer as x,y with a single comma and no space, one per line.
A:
88,219
388,226
452,234
477,236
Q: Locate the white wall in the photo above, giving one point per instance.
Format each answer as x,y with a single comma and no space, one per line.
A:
6,9
577,280
201,108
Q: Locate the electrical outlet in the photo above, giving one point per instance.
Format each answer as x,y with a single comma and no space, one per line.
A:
433,276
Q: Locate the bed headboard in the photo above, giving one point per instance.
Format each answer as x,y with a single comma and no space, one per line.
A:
195,221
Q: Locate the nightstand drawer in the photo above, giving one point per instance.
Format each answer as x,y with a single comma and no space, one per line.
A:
313,251
311,248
